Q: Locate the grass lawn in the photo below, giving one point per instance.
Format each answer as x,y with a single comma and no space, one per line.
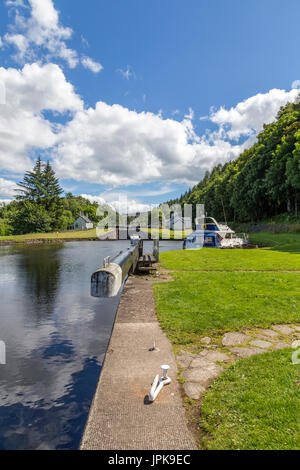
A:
214,259
89,235
254,404
214,290
210,303
285,242
84,234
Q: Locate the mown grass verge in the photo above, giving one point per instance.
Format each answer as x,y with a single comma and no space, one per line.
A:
91,235
254,405
214,259
284,242
76,235
195,304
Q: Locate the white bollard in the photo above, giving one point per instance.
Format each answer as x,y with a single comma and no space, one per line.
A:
165,369
159,383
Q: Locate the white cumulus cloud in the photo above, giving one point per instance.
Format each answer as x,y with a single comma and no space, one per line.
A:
247,118
120,204
7,188
23,128
40,29
115,146
37,32
296,84
90,64
127,73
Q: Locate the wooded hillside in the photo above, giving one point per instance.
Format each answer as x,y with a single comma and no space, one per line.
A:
263,182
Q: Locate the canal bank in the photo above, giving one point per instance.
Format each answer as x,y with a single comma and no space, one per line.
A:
45,241
121,417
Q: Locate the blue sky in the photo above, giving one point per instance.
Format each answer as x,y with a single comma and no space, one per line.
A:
140,98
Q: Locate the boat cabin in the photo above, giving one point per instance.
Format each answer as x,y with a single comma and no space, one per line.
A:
202,239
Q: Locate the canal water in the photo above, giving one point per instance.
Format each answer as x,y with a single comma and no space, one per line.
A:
56,337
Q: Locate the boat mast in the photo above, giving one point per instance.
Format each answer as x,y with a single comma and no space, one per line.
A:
224,210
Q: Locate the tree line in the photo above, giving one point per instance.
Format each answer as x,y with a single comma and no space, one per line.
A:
263,182
39,206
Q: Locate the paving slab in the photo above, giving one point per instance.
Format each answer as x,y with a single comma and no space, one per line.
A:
214,356
204,375
200,362
285,329
271,333
264,337
233,339
194,390
259,343
184,359
281,345
247,352
121,417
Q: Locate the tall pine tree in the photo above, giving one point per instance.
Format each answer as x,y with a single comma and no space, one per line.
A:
32,184
40,194
50,186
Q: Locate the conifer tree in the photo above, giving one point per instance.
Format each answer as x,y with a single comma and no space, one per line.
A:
32,184
50,186
42,207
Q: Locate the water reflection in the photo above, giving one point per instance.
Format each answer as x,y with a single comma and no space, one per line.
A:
41,270
40,426
56,336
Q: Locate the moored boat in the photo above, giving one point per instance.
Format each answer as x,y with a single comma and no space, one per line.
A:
211,234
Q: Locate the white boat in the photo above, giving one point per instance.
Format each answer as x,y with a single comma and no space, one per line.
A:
227,238
134,239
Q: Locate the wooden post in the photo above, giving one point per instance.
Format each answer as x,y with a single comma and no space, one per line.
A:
141,248
156,250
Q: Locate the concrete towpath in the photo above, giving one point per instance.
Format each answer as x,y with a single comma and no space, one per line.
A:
121,417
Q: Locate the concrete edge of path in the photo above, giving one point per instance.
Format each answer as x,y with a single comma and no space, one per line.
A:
121,417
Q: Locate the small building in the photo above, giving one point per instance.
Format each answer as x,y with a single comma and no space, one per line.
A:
82,223
176,222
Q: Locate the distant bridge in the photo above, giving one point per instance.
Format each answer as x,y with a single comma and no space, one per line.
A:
124,232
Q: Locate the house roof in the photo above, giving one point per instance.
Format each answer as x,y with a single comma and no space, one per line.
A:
86,219
178,217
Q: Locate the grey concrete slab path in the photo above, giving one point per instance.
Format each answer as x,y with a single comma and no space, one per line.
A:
121,417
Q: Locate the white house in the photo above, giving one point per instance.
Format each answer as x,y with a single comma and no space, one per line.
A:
83,223
177,222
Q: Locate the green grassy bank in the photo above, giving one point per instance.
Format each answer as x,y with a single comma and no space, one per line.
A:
76,235
217,290
196,304
255,403
88,235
